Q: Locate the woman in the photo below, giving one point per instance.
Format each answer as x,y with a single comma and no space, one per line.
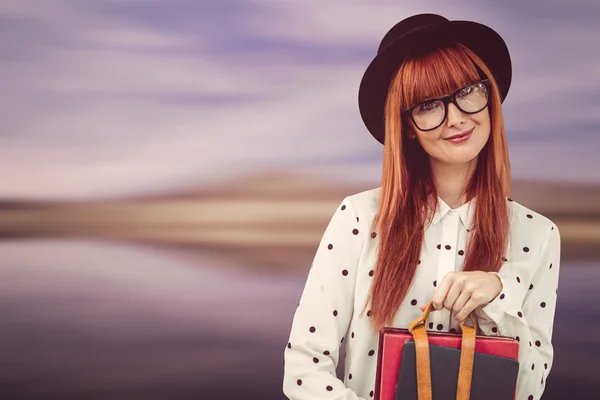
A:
440,228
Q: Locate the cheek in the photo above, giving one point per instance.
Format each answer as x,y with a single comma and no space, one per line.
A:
429,141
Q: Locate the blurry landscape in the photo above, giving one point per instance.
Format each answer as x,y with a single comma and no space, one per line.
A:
270,222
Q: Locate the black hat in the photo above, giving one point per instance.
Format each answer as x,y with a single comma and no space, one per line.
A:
420,33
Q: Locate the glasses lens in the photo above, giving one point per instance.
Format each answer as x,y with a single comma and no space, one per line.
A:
429,114
473,98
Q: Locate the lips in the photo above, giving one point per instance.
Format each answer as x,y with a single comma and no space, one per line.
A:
460,135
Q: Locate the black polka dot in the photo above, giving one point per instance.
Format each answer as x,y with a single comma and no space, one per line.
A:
431,325
531,286
312,329
526,249
439,246
461,253
545,365
369,313
550,266
289,345
552,228
355,231
532,367
518,339
502,296
504,259
530,344
352,335
371,393
418,262
447,247
495,330
344,207
529,216
326,353
345,272
349,376
520,314
299,382
371,352
371,273
434,283
509,199
329,388
518,279
543,304
315,360
413,302
373,235
342,341
440,327
330,246
530,397
452,330
538,343
357,220
335,313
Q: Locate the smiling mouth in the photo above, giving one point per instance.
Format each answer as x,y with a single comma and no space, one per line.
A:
460,136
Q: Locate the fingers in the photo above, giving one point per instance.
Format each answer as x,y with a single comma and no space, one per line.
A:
442,290
453,294
467,309
460,303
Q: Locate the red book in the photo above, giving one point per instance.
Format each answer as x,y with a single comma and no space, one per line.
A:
494,365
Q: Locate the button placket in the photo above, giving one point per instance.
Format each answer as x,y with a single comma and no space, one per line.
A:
447,260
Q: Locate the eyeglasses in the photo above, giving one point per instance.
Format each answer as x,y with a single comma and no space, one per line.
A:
431,113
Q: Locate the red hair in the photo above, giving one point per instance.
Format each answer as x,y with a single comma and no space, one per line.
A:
408,198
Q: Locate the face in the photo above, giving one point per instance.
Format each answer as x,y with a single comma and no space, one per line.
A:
460,137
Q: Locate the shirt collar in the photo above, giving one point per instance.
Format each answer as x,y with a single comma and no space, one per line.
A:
465,212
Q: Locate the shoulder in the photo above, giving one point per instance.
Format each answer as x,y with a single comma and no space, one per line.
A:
530,224
365,203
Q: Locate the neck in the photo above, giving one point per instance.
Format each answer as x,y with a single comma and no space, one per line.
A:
451,180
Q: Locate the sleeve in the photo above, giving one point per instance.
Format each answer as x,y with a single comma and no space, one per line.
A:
530,322
324,313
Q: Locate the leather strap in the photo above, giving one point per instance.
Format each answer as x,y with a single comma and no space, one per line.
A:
467,354
419,333
465,374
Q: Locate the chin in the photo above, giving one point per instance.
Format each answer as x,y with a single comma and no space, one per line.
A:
464,158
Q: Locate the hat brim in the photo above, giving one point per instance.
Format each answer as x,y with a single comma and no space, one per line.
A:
481,39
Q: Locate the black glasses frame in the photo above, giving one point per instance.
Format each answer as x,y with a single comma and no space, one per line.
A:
450,98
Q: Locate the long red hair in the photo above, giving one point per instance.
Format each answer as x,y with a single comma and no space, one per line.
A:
408,197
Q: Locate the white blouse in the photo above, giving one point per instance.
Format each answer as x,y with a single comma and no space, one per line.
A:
338,284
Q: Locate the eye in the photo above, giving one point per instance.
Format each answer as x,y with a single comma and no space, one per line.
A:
428,106
466,91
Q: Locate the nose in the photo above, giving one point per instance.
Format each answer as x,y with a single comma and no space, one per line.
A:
455,116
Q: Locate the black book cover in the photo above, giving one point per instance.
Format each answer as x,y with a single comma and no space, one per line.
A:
494,377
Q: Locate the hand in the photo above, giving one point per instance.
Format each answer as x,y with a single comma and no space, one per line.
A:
462,292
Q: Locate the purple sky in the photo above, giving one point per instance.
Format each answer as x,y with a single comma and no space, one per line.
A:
122,97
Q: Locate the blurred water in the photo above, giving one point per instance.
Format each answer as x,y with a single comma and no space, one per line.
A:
81,320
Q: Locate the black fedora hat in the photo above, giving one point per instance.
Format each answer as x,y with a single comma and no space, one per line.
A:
418,34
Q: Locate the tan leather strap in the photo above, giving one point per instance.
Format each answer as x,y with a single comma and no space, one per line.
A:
467,354
417,329
419,333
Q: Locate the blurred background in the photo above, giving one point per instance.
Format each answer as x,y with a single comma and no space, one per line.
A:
167,170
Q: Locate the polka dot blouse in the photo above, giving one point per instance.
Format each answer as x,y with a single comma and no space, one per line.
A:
338,282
